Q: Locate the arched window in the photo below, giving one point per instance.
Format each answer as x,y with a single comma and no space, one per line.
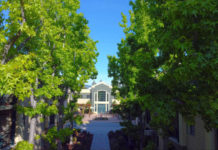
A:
101,96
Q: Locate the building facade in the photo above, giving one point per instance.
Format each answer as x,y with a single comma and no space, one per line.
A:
190,137
99,95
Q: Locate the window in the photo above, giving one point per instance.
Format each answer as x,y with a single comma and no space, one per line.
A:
191,129
107,96
87,96
101,96
174,130
83,96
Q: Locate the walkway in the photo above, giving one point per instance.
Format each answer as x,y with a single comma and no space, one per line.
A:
100,129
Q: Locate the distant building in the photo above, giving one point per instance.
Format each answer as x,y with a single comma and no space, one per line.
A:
99,95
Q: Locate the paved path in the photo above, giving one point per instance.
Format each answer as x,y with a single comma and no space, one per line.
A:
112,118
100,129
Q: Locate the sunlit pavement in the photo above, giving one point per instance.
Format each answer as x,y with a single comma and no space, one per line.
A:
100,129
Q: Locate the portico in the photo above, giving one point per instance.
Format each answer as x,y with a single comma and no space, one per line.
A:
99,96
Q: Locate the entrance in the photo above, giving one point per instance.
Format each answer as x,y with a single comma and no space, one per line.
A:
101,108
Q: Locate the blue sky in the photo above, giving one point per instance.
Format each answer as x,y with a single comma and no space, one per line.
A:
104,17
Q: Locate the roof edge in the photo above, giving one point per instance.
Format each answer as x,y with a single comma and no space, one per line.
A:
99,84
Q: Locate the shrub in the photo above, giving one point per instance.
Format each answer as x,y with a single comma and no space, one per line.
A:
24,145
62,135
150,146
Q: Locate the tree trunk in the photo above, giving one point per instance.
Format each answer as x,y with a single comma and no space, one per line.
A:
129,136
60,113
71,122
60,120
32,121
32,130
14,118
142,127
60,117
70,101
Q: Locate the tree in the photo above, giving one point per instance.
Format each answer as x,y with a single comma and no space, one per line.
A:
45,51
186,39
167,61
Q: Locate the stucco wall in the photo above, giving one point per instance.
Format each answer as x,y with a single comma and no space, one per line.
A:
201,140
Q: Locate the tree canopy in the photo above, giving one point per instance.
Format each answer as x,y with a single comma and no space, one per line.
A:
45,50
168,60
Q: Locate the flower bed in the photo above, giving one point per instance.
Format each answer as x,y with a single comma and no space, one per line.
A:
82,141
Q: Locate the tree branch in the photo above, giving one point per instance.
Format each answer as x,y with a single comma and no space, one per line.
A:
12,40
8,46
23,43
22,12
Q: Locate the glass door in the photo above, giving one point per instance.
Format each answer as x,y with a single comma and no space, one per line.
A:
101,108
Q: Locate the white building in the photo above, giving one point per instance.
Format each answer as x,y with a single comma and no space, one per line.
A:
99,95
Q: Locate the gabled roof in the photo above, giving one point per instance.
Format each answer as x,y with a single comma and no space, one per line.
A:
100,84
